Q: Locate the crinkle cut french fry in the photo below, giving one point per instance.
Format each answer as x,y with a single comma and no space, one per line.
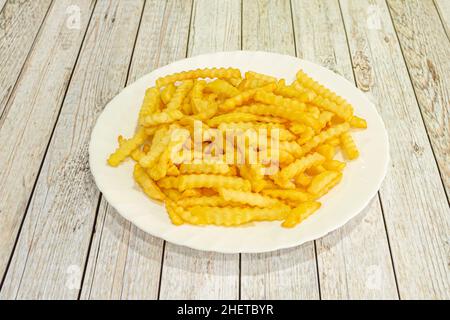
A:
260,76
212,181
334,165
234,216
167,116
168,183
327,150
147,185
300,213
210,168
324,136
179,95
280,101
150,103
292,195
240,117
303,180
173,213
285,112
182,213
349,146
323,181
127,147
325,97
222,87
210,201
250,198
357,122
160,141
167,93
300,165
221,73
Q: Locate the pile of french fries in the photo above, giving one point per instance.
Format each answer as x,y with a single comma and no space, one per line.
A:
238,184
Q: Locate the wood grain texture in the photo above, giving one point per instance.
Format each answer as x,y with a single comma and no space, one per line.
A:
412,195
32,111
19,24
291,273
125,262
426,50
187,273
354,261
53,245
443,7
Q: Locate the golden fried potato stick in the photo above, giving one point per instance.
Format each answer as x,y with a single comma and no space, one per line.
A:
249,198
325,98
221,73
259,76
209,168
212,181
285,112
349,146
160,141
222,87
167,116
179,95
240,117
294,195
124,150
315,170
147,185
323,182
328,134
292,147
327,150
307,135
298,128
334,165
293,93
168,183
339,110
185,215
303,180
299,166
150,104
247,84
167,93
136,154
280,101
234,216
357,122
297,215
173,213
209,201
172,194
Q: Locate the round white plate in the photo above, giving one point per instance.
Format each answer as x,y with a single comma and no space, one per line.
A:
362,177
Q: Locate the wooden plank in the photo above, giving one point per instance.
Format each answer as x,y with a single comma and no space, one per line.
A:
413,198
367,272
125,262
187,273
32,111
291,273
19,24
53,245
426,50
443,7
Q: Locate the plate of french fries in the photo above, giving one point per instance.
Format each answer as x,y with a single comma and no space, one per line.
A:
239,151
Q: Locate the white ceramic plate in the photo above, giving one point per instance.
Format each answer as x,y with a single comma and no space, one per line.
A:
362,177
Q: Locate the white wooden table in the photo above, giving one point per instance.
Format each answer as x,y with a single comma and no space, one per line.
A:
61,61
